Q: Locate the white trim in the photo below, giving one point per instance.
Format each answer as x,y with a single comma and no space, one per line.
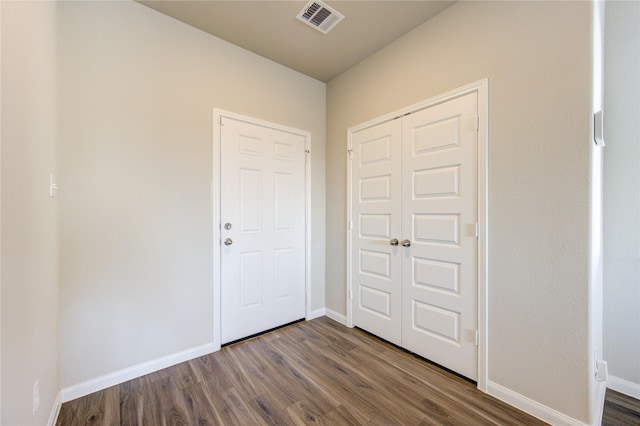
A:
624,386
349,231
55,410
530,406
120,376
599,405
336,316
215,241
595,320
481,87
483,240
215,202
444,97
307,260
317,313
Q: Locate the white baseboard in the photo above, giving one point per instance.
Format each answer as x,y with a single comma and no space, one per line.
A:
316,314
624,386
530,406
55,410
102,382
336,316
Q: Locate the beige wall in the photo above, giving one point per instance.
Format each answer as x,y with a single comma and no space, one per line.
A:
621,196
537,58
137,92
134,106
29,236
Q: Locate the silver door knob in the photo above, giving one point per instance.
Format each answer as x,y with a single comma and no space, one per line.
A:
228,241
406,243
227,226
394,242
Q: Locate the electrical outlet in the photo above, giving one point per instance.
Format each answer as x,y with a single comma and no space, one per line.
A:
36,396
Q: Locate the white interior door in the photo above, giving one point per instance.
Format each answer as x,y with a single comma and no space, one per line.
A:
262,212
415,179
439,217
376,198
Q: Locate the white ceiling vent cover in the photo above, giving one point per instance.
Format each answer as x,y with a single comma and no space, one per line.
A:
320,16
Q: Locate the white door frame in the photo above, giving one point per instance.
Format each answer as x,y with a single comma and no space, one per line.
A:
481,87
218,114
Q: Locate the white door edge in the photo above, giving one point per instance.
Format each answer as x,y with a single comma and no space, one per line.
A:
218,114
481,87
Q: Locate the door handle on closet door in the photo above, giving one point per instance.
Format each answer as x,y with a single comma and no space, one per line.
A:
394,242
406,243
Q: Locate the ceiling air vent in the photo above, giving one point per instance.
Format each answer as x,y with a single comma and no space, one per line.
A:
320,16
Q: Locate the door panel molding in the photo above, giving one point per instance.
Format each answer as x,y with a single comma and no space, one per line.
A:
377,153
440,190
282,152
437,209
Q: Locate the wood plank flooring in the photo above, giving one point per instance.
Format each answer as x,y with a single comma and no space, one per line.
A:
314,372
620,409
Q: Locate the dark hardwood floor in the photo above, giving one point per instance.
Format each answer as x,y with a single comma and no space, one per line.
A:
315,372
620,409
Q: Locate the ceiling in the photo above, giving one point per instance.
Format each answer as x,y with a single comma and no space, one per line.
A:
271,29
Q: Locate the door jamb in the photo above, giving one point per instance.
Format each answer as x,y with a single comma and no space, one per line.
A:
481,87
218,115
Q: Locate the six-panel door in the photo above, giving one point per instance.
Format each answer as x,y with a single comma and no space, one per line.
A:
263,250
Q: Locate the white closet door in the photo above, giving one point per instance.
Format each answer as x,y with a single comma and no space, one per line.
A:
262,212
376,206
439,217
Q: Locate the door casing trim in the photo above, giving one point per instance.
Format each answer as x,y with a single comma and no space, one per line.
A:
481,87
218,115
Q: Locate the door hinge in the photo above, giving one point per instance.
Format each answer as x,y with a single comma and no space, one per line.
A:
350,153
477,122
220,121
349,225
477,230
350,294
477,338
306,155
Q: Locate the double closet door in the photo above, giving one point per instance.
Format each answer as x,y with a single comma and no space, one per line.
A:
414,232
